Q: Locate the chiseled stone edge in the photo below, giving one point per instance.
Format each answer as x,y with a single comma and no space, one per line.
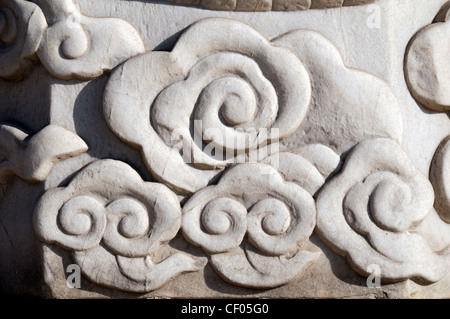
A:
269,5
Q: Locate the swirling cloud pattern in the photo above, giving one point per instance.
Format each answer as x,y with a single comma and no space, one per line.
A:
370,213
22,25
252,205
230,80
121,224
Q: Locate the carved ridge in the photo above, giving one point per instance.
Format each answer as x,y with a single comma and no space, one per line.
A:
22,25
426,59
32,157
69,44
254,221
121,227
253,201
195,96
440,178
370,212
269,5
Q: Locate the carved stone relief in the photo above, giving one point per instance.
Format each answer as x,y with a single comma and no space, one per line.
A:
197,92
195,95
261,162
267,5
370,212
69,44
426,74
425,66
33,157
348,105
77,46
22,25
440,177
115,233
276,216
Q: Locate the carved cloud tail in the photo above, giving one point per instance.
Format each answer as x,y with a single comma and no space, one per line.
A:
33,157
252,270
139,275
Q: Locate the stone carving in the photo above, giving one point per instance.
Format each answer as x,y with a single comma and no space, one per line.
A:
440,178
267,5
348,105
77,46
229,87
33,157
310,169
426,74
372,210
117,227
426,68
254,146
69,44
194,96
21,27
253,200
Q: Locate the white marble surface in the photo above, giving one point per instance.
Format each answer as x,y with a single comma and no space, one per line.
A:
344,178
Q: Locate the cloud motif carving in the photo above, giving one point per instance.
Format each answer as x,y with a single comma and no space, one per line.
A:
223,83
22,27
114,223
244,92
254,225
32,157
426,67
371,211
69,44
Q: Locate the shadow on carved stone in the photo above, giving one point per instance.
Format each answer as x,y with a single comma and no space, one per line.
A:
90,124
20,251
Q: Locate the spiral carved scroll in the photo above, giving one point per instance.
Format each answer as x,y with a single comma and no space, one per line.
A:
267,5
118,227
22,25
32,157
212,97
371,212
251,219
69,44
426,70
81,47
